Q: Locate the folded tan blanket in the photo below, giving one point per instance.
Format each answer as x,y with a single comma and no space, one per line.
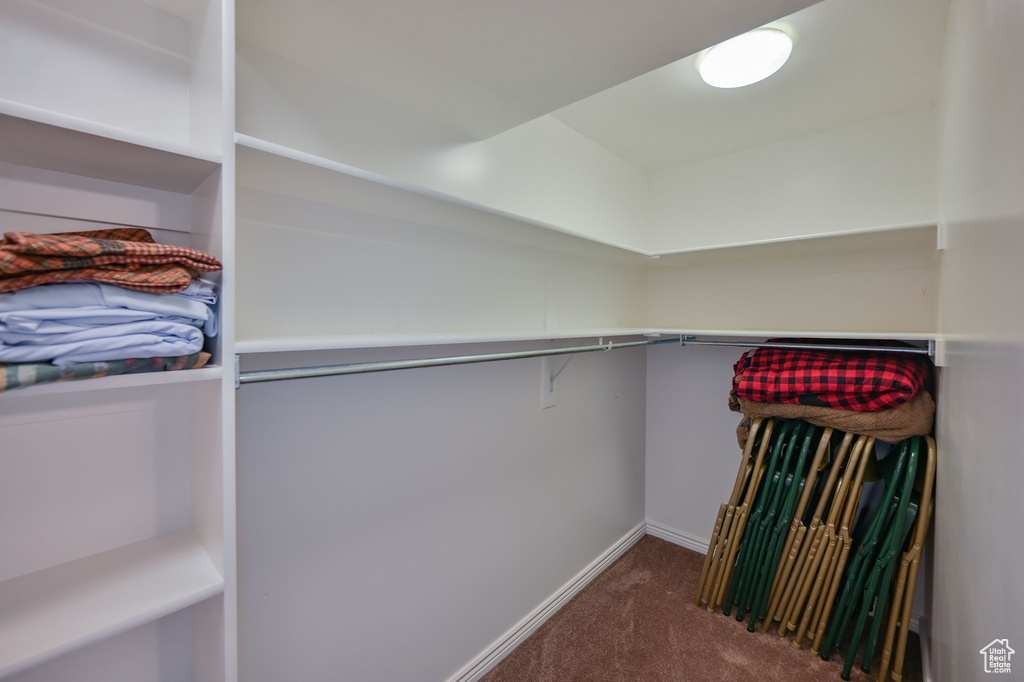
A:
913,418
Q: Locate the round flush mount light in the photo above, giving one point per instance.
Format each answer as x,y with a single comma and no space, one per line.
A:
746,59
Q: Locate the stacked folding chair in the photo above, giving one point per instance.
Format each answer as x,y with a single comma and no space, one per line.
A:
789,548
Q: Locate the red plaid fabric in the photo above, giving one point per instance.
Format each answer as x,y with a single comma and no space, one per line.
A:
127,257
844,380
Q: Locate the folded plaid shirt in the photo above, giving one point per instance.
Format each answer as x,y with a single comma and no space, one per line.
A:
127,257
844,380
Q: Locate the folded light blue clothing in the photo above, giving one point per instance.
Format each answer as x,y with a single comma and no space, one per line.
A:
161,327
147,339
59,308
200,290
45,321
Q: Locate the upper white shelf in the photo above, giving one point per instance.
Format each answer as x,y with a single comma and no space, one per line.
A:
875,238
345,341
45,139
872,237
789,334
350,341
51,612
345,169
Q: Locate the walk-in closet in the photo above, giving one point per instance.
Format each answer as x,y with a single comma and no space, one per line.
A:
477,276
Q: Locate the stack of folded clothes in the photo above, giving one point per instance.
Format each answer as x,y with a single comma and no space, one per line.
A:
880,394
85,304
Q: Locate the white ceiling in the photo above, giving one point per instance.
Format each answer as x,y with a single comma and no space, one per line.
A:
483,66
852,60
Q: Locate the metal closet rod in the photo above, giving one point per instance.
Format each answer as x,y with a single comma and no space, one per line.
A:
260,375
263,375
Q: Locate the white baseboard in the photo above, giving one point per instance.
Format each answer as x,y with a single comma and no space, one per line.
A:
504,645
678,537
683,539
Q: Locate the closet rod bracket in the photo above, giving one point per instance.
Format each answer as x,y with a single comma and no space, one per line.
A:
238,374
554,375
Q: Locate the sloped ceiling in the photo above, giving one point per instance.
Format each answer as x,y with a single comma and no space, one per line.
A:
852,60
484,66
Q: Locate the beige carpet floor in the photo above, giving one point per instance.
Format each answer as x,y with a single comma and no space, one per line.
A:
637,622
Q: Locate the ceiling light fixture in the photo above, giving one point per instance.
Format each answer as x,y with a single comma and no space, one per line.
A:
746,59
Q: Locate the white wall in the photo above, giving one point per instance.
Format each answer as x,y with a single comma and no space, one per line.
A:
874,173
978,589
547,171
394,525
881,282
692,454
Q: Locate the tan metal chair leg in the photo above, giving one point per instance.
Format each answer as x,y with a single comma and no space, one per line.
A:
830,598
709,559
722,570
815,564
824,571
714,554
798,574
782,575
829,568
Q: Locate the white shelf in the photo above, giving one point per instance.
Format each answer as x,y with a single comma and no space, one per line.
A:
344,341
788,334
51,612
345,169
45,139
208,373
874,238
349,341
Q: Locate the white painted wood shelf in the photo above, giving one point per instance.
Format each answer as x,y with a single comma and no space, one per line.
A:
119,381
874,237
870,238
347,341
45,139
356,341
56,610
352,171
790,334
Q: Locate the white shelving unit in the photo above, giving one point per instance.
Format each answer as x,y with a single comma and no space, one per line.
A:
117,514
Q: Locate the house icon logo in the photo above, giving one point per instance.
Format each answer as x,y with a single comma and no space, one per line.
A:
997,656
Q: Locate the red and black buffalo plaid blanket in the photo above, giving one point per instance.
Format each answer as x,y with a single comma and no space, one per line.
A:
844,380
127,257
